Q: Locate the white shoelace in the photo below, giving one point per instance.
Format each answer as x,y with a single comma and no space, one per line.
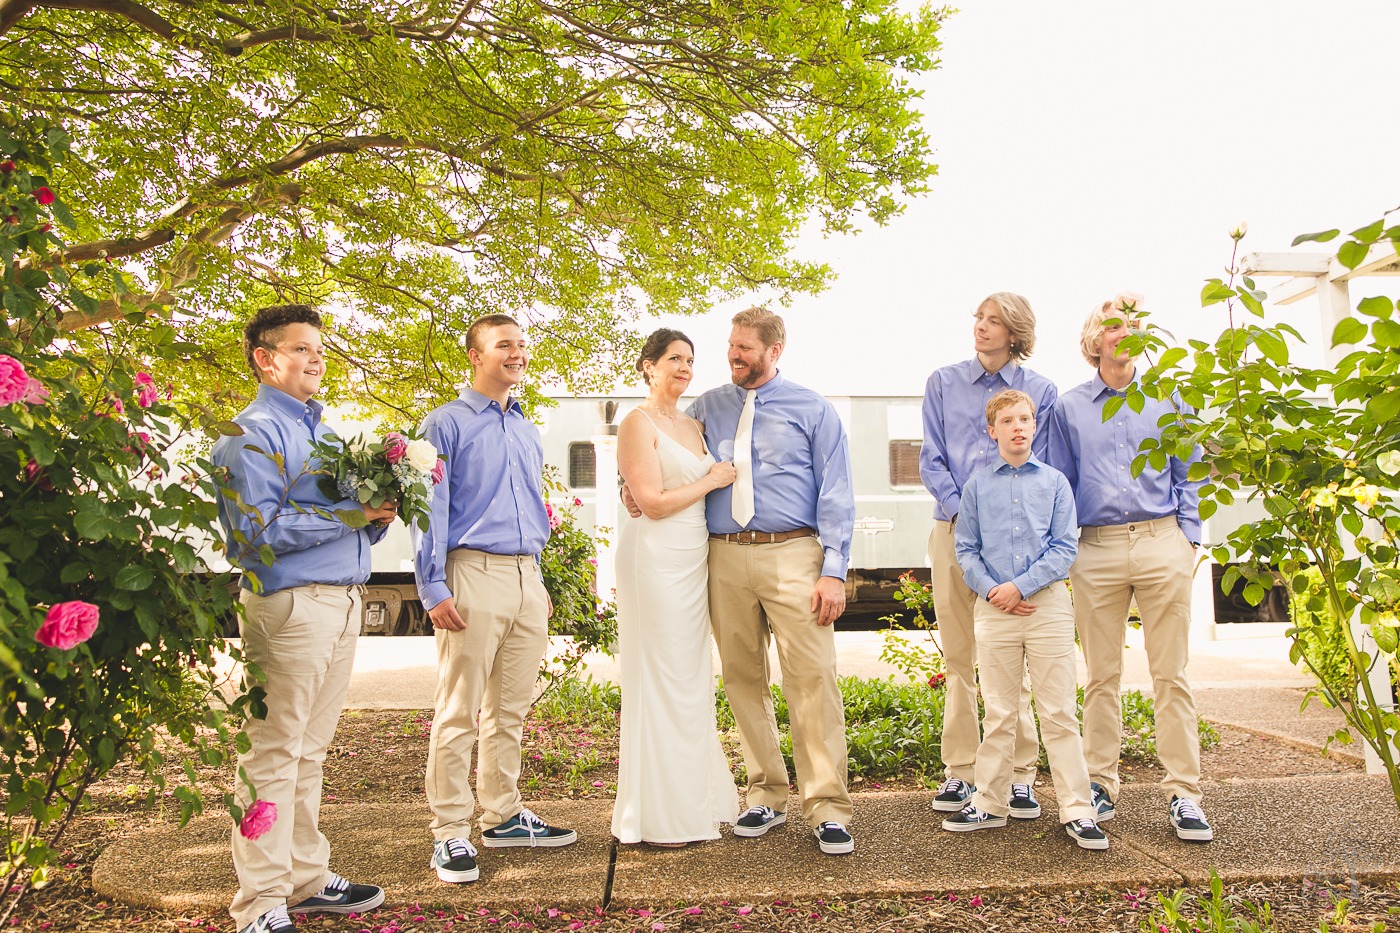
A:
532,824
456,848
953,786
1085,824
766,812
275,919
1022,791
1188,810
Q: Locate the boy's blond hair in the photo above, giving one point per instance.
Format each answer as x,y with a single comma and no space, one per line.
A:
1015,312
1124,307
1005,400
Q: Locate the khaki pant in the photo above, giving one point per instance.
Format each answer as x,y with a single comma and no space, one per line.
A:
953,603
758,591
303,640
1043,642
1151,561
488,668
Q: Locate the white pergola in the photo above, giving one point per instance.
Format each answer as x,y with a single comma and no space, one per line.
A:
1314,273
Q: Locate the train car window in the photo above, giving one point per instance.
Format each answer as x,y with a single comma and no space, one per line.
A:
904,463
582,466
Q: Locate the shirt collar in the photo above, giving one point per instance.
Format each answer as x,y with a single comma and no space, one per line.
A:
1098,387
479,403
976,371
293,408
1003,467
765,391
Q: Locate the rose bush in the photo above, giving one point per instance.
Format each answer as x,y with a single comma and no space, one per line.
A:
108,627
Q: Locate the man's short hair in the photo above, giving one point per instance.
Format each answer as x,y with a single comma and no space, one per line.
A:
1093,329
1015,312
264,329
1006,399
486,322
769,325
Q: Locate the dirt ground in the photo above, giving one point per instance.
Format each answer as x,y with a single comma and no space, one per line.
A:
379,755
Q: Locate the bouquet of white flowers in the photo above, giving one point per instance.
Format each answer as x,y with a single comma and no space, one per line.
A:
401,466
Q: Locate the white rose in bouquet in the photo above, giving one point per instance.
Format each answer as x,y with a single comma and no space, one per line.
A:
421,455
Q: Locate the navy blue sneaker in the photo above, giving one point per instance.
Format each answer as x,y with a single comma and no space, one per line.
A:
1023,804
757,820
970,819
341,897
1086,834
526,829
1103,804
455,860
953,795
833,839
1190,821
274,921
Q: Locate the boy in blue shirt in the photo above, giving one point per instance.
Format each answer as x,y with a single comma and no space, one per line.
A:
1015,542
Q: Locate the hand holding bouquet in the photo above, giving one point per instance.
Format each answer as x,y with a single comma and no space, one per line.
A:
401,467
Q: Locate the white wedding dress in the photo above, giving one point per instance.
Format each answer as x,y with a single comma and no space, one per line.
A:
673,782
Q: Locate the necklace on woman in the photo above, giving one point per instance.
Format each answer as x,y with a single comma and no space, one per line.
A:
671,416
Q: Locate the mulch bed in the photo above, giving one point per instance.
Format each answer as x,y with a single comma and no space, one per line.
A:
379,755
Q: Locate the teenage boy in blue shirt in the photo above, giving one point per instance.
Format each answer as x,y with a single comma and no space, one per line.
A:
1015,542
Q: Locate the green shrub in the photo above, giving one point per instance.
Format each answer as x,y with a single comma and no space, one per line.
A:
1319,635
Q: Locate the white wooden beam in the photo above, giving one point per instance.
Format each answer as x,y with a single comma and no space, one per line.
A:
1285,263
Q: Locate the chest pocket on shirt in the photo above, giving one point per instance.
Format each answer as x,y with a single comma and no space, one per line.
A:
782,443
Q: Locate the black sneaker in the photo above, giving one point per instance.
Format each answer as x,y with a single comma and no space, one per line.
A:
758,820
274,921
341,897
1103,804
455,860
969,819
1086,834
953,795
1190,821
834,840
526,829
1023,804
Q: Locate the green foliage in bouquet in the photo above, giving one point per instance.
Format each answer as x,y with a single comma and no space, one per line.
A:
400,467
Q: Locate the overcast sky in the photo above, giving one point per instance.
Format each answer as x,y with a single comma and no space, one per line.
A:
1087,148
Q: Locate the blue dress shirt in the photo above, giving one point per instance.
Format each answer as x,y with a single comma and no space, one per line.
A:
1097,457
1016,525
956,444
309,548
801,465
491,497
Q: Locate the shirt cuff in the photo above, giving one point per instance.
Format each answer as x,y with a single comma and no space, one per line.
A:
833,564
433,593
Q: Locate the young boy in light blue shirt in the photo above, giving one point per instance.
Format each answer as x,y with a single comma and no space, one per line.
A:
1015,541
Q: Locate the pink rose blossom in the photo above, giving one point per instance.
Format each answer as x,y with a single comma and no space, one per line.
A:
146,393
692,911
7,166
439,471
577,502
395,446
67,625
14,381
43,195
258,819
1130,302
554,520
34,391
745,911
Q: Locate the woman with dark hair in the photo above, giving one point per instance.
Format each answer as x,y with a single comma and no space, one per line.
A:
673,783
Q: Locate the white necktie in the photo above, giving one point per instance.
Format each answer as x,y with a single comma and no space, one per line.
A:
741,505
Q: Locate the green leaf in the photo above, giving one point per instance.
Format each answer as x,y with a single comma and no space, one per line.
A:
1386,333
1389,462
1376,306
1369,233
93,525
1351,254
1385,406
1321,237
1215,291
1272,347
355,518
134,578
1197,471
1348,330
226,428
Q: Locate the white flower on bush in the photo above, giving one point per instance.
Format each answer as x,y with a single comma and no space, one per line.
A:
357,444
422,455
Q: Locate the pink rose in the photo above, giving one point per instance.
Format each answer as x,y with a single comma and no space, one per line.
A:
577,502
67,624
1129,302
146,393
37,475
7,166
43,196
554,520
14,381
439,471
34,391
258,819
395,446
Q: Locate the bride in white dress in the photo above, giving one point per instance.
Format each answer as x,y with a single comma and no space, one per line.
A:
673,782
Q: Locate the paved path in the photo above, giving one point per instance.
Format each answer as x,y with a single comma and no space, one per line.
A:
1261,832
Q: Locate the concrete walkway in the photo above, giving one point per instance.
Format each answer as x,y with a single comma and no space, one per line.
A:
1260,832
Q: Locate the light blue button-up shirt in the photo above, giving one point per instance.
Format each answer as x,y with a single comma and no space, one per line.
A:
309,548
1017,525
491,497
1097,457
956,444
801,465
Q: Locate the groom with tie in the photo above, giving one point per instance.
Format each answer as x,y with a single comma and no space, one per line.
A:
780,540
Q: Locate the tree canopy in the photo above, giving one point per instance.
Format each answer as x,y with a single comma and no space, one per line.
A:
412,164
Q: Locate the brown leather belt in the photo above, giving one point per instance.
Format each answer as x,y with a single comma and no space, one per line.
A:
765,537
